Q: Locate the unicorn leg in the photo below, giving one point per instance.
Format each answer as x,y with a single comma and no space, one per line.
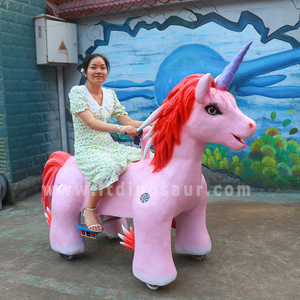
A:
191,232
152,261
65,238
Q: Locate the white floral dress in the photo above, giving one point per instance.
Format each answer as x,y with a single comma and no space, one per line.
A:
99,157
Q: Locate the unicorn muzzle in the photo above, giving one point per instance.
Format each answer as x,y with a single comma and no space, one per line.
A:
239,140
248,133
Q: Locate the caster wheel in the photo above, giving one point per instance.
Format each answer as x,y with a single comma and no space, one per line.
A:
199,257
66,257
152,287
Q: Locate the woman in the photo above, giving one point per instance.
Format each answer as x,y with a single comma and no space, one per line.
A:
99,157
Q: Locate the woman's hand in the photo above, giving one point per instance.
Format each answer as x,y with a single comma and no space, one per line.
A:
129,130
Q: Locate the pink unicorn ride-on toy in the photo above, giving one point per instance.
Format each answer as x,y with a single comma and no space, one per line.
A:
154,192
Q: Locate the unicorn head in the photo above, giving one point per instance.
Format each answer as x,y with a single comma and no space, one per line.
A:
221,108
203,110
222,122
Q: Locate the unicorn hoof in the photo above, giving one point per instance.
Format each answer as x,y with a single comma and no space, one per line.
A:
152,287
66,257
199,257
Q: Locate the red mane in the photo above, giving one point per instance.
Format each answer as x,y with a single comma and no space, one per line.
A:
174,113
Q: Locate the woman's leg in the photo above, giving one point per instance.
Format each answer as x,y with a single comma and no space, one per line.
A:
89,211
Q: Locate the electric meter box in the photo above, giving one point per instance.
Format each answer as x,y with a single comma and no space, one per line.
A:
56,41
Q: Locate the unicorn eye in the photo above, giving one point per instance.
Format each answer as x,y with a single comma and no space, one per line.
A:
213,110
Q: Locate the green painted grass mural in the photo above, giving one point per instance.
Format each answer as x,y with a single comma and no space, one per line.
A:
273,163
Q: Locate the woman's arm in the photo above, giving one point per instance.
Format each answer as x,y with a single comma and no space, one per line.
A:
88,118
126,120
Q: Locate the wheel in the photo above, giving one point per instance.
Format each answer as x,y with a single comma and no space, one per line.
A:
199,257
66,256
152,287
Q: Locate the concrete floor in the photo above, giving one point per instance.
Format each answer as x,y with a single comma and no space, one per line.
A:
255,255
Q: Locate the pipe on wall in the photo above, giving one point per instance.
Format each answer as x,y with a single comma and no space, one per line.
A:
62,109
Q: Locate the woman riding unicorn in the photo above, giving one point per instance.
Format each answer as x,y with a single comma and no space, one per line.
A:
154,191
99,157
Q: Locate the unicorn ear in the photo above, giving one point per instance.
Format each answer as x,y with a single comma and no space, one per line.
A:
202,87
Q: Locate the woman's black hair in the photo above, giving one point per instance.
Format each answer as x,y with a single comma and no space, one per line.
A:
88,59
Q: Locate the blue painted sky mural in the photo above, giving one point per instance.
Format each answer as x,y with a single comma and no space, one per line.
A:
149,58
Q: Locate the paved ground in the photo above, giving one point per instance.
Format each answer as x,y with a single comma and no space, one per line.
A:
255,255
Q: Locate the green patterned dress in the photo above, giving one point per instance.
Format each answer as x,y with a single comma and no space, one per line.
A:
99,157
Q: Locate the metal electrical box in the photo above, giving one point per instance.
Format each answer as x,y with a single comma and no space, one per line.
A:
56,41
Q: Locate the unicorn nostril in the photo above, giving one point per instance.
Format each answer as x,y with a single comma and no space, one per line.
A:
251,125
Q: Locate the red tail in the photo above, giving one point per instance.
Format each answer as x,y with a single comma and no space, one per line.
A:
128,238
53,165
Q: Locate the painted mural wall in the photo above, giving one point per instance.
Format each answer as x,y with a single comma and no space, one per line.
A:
151,52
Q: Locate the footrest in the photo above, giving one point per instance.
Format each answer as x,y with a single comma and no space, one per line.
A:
86,232
92,234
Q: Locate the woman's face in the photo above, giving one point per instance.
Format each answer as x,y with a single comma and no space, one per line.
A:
97,71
